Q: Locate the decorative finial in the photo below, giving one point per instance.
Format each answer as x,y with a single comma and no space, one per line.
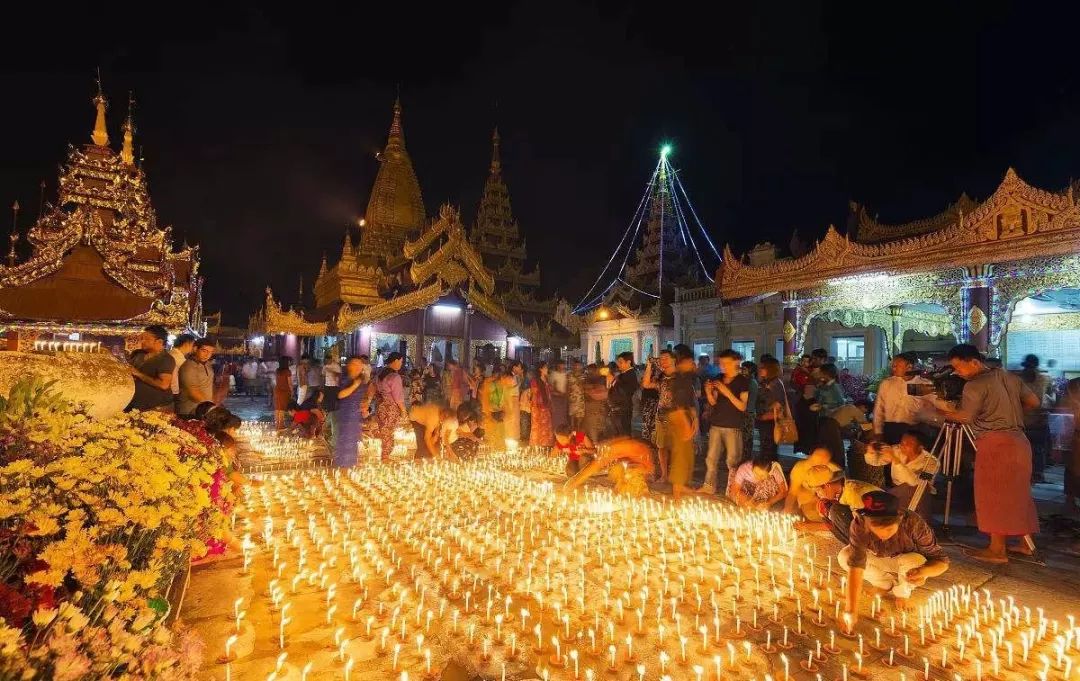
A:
496,160
100,136
14,237
396,138
322,266
127,152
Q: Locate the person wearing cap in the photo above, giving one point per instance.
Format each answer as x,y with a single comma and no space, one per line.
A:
837,496
890,547
800,497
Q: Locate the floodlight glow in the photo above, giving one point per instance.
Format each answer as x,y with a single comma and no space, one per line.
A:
665,151
446,308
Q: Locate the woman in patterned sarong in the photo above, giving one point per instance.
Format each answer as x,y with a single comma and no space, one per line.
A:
541,432
391,408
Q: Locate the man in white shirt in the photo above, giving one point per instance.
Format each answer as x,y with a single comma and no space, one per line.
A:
331,373
911,465
894,408
250,373
183,346
560,402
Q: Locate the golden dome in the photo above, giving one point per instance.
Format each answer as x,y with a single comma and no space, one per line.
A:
396,206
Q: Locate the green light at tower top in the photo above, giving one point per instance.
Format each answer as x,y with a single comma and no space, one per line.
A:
665,151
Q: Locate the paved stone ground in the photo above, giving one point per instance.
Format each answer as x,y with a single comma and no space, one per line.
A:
1059,540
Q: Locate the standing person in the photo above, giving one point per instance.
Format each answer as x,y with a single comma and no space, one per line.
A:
183,346
750,371
890,547
1037,420
993,407
152,369
475,378
771,402
1071,402
894,408
682,422
314,376
416,387
560,404
596,404
282,391
267,368
649,397
525,411
800,375
727,397
454,384
624,385
348,421
828,397
575,393
391,408
661,382
300,378
511,385
426,420
491,406
541,431
196,378
249,371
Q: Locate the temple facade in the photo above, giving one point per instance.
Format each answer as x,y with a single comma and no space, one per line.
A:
100,267
1002,274
422,286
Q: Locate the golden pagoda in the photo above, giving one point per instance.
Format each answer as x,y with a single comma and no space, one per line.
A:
101,265
395,209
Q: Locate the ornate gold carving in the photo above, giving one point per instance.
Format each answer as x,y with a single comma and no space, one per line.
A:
976,320
789,331
1063,321
1015,281
970,240
349,320
273,319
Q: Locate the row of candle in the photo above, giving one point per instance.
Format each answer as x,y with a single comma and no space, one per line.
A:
66,346
483,565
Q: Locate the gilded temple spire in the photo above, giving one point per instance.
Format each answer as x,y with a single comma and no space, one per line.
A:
496,161
127,152
100,136
396,138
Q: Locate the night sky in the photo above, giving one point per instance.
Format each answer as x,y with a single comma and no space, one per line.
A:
259,127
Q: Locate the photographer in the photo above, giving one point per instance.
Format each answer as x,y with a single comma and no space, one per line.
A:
993,407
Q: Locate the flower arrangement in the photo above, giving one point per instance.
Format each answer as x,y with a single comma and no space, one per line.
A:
96,520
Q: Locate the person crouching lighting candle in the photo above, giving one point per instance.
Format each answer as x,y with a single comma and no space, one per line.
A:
629,462
892,548
576,446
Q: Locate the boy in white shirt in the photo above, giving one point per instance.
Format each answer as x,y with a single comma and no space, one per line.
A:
911,465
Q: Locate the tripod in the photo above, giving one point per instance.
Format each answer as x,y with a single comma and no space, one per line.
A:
948,449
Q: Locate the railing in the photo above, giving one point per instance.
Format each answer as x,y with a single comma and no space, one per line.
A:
685,295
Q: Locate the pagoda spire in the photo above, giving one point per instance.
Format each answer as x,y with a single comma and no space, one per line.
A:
496,160
347,246
100,136
127,152
322,267
396,138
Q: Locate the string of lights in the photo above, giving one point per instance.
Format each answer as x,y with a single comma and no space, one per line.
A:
664,179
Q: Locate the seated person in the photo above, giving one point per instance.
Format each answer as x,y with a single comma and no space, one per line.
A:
911,464
628,460
891,548
837,496
758,484
575,445
800,497
468,436
426,420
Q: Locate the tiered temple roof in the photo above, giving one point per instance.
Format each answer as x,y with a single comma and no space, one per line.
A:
404,263
100,262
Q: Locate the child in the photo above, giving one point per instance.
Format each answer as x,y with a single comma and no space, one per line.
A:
575,445
757,484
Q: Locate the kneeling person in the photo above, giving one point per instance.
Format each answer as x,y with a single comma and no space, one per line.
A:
891,548
577,447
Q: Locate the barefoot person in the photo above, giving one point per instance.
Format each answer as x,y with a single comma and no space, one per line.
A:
837,496
426,420
628,461
682,422
891,548
993,407
801,498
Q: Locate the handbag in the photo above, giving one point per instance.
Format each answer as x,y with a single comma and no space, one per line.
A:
785,431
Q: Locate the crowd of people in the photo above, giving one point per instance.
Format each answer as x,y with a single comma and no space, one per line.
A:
658,420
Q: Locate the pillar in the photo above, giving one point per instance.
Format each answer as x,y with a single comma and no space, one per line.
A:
466,334
790,329
421,319
895,312
975,325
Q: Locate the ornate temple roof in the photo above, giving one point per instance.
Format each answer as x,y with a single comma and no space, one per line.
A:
1017,222
99,259
868,230
395,209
